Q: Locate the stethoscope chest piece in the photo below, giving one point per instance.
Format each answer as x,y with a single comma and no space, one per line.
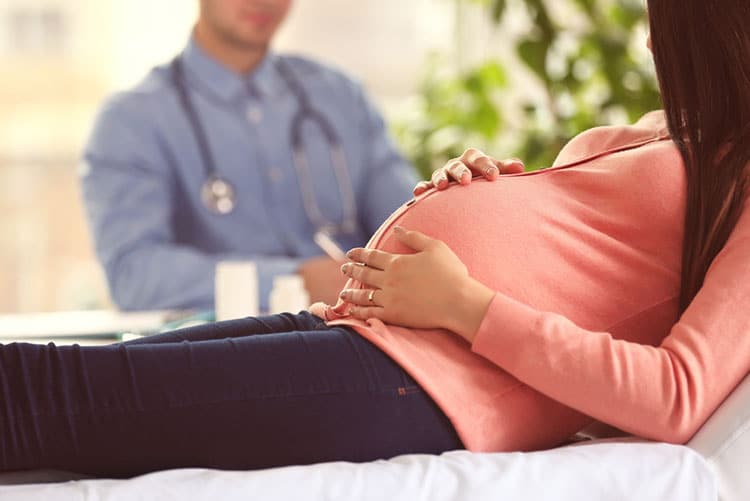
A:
218,195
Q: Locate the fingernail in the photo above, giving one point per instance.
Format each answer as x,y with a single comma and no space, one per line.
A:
398,229
350,254
344,269
342,295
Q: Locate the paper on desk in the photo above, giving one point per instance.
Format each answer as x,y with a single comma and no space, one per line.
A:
81,323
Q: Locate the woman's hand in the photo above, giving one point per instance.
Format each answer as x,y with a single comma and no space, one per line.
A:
461,170
429,289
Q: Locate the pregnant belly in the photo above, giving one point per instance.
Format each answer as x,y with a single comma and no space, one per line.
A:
498,230
483,224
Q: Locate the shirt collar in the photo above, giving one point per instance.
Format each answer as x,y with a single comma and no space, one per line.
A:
264,80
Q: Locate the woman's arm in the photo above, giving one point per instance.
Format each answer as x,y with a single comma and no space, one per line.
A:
663,393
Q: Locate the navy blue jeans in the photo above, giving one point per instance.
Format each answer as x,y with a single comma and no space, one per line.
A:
244,394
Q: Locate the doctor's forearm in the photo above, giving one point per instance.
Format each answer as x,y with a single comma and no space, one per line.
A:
180,277
162,278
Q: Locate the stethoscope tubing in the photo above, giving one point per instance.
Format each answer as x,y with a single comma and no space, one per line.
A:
305,112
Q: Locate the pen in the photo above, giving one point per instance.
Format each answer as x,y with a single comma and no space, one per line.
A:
329,246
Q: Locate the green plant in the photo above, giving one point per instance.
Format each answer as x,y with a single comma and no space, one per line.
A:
584,65
453,113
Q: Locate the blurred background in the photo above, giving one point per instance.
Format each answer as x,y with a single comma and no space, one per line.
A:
514,77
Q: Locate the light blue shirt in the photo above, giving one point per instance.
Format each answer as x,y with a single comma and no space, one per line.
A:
142,176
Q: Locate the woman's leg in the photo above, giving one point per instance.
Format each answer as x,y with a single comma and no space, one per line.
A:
269,324
235,403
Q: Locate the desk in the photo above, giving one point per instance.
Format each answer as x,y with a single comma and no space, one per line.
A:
88,327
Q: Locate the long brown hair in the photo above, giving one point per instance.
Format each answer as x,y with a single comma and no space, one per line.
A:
702,54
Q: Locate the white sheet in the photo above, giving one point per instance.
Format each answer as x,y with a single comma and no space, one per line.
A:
610,471
724,440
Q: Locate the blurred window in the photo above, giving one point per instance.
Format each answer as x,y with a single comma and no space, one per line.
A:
36,30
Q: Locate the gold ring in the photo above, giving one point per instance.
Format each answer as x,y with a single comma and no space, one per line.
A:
371,296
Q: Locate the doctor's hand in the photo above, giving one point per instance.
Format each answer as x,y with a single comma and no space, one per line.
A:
323,279
472,163
429,289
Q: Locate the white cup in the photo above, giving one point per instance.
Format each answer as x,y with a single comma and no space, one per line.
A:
288,294
236,290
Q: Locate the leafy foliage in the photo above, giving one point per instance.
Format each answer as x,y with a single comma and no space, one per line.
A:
584,63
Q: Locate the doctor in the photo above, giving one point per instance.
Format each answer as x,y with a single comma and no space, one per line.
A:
232,152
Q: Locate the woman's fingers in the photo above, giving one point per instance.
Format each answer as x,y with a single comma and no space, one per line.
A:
480,164
371,298
371,257
365,303
471,162
366,313
510,166
458,171
414,239
440,178
421,187
364,274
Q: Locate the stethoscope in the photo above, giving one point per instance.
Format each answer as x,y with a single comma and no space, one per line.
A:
218,194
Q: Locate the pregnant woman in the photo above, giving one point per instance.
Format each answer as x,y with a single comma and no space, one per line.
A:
497,316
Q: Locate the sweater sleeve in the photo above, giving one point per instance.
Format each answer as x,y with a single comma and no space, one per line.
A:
662,393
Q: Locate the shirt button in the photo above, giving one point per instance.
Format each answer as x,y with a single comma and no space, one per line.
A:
254,114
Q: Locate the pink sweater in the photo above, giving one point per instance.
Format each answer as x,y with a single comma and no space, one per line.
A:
585,259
